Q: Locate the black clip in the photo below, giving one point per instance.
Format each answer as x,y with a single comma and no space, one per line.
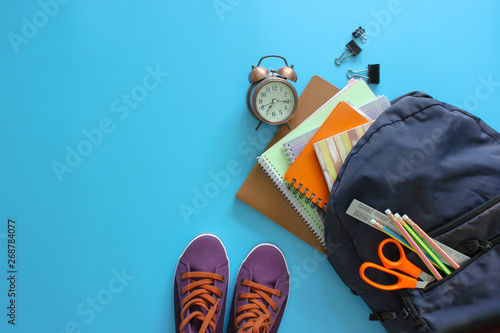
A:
351,46
373,75
361,34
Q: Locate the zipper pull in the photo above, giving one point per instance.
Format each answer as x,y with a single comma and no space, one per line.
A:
472,246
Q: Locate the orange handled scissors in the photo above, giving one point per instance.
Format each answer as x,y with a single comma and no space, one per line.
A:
403,265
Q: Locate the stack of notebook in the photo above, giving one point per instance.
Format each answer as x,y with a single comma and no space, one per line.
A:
291,183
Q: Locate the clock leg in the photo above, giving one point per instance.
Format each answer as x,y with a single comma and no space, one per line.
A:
260,123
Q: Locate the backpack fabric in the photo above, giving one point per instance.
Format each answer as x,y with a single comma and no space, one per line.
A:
441,166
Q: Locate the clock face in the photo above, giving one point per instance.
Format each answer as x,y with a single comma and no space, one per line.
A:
274,101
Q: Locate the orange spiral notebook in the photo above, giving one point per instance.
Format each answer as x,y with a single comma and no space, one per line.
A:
305,173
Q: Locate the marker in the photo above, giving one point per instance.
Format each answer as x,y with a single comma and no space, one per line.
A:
431,242
414,245
422,244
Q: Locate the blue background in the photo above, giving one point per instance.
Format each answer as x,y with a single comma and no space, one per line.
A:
119,209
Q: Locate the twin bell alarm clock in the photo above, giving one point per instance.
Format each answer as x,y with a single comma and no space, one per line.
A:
271,98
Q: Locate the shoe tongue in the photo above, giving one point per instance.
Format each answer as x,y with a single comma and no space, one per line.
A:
195,324
195,327
192,329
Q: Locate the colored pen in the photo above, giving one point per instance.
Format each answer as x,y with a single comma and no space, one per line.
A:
414,245
422,244
431,242
395,236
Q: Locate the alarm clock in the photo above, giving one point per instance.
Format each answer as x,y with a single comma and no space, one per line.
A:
271,98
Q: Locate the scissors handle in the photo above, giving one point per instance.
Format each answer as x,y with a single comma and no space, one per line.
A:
404,281
403,264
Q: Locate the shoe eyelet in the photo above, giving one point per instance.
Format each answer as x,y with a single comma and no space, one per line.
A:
241,282
223,279
238,298
281,294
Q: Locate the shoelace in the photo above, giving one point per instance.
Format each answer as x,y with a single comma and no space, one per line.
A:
255,314
202,290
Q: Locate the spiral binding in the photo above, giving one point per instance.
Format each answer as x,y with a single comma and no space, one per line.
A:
298,206
289,153
314,205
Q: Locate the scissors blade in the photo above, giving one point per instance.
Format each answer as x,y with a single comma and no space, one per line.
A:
422,284
426,277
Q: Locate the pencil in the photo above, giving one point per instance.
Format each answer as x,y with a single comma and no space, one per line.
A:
431,242
395,236
386,231
422,244
414,245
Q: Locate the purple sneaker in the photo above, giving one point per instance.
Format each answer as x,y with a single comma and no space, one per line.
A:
261,291
200,286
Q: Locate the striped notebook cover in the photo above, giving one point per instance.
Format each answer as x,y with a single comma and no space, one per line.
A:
372,109
333,151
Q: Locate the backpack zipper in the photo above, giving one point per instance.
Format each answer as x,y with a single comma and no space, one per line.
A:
464,217
472,246
495,240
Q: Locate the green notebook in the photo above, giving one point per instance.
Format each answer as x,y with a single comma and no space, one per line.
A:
275,162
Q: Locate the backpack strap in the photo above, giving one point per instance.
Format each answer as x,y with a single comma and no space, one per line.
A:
383,316
407,312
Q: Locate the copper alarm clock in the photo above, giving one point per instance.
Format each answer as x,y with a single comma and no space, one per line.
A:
271,98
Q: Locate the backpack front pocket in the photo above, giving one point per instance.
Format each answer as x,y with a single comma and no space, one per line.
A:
473,290
470,292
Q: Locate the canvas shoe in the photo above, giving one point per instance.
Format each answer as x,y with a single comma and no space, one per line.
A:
200,286
261,291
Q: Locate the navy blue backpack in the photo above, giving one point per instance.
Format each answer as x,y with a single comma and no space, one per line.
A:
441,166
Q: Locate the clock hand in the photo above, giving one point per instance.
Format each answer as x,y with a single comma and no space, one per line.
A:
274,101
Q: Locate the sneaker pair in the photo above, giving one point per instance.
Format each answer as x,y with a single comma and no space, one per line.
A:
200,288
